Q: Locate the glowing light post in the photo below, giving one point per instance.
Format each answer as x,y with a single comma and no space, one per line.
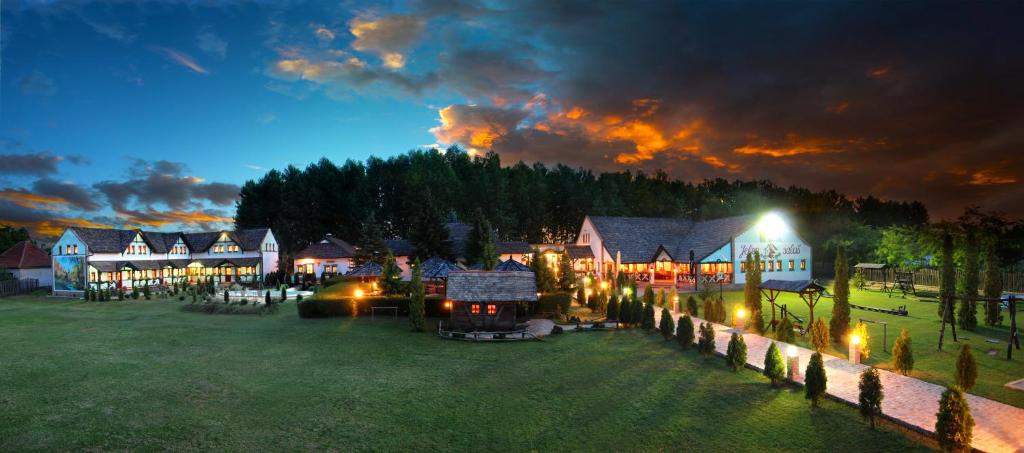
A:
855,349
793,363
604,286
359,293
739,319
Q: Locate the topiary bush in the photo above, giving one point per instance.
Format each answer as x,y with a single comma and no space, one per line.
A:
774,367
902,354
684,332
815,381
706,343
666,325
736,352
966,368
954,425
870,399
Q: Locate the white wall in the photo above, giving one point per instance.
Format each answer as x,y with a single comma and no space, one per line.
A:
787,246
43,274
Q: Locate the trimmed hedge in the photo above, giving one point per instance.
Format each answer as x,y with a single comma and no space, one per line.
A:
554,302
332,308
230,309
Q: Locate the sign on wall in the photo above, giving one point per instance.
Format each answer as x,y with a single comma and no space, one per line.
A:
69,273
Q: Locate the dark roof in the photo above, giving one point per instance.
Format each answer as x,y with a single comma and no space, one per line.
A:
369,269
579,251
792,286
180,264
638,238
145,265
869,266
105,240
109,240
110,266
250,239
490,286
160,242
24,255
438,267
328,247
201,241
512,248
400,247
511,265
242,262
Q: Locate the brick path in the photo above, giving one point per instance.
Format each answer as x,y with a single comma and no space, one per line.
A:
998,427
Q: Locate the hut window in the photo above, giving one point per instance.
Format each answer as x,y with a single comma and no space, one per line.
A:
492,309
474,309
803,265
76,249
792,265
778,265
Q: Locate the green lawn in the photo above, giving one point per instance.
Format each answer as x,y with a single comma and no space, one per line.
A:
144,376
923,326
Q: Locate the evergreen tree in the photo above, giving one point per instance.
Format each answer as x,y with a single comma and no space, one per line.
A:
902,354
966,368
120,294
815,381
625,312
391,276
479,236
648,317
784,331
993,287
613,308
489,257
871,395
691,306
819,335
752,292
145,291
637,316
673,300
667,326
706,343
566,273
947,279
839,324
684,333
954,425
709,309
266,298
736,352
227,297
545,279
371,246
284,293
720,310
649,298
428,232
968,314
774,367
660,298
417,306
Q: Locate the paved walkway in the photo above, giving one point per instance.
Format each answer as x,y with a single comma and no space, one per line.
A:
998,427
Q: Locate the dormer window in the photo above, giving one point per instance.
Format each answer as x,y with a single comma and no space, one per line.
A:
68,251
76,249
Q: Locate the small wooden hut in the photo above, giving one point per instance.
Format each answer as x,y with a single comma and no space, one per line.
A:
486,300
435,274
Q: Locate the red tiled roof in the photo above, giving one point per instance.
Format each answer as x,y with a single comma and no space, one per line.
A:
24,255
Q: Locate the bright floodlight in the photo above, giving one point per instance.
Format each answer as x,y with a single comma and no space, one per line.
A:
772,225
855,339
741,313
791,351
359,293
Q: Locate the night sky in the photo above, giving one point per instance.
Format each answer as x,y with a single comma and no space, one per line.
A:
133,114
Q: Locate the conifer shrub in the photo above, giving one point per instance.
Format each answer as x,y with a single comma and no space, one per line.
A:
625,312
870,399
648,319
266,297
954,425
706,343
784,331
227,297
815,381
673,300
667,326
120,294
613,308
637,315
736,352
861,330
839,323
774,366
684,332
649,297
819,335
145,291
417,308
902,354
691,306
284,294
966,368
709,309
992,287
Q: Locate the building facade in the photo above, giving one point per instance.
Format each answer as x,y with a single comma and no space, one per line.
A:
103,258
680,252
26,261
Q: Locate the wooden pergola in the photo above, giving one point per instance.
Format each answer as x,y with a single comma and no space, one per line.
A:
808,290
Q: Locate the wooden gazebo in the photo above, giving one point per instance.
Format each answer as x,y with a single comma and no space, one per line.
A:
808,290
435,273
486,300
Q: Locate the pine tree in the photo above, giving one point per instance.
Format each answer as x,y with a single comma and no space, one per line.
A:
819,335
774,367
954,425
706,343
428,233
637,316
145,291
371,246
691,306
902,354
489,257
667,326
968,314
673,300
266,298
966,368
479,235
648,319
659,299
752,293
684,333
417,307
839,324
649,295
870,395
815,381
993,287
545,279
227,297
625,312
736,352
947,280
391,276
613,308
284,293
709,309
784,331
566,273
861,330
720,310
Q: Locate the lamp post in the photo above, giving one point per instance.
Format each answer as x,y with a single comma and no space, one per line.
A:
793,365
739,319
854,349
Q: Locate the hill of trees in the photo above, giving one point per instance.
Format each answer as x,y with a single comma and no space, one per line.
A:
536,203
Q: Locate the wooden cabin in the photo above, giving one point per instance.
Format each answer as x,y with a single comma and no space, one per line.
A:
486,300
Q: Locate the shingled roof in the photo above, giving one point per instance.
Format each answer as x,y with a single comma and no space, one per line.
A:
511,265
110,240
369,269
328,247
160,242
797,286
491,286
438,267
639,238
24,255
105,240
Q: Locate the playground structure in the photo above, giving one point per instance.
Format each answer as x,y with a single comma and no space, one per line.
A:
809,291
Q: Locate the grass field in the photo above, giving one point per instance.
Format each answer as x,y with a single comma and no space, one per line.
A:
145,375
923,326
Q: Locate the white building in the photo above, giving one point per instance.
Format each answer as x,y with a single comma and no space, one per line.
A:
26,261
111,258
660,251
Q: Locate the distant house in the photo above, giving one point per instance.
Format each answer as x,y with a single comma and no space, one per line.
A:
661,250
486,300
26,261
581,256
112,258
330,256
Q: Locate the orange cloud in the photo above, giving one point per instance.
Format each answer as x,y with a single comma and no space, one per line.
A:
794,145
839,107
879,72
31,200
989,177
163,218
54,227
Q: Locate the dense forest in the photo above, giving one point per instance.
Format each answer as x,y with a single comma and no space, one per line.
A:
536,203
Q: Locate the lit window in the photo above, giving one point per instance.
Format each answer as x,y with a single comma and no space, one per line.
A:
762,265
474,309
76,249
778,266
803,265
792,265
743,266
68,252
492,309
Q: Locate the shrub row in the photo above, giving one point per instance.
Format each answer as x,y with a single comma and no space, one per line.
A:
554,303
230,309
331,308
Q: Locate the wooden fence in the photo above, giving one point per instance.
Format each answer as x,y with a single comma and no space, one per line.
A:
1012,281
12,287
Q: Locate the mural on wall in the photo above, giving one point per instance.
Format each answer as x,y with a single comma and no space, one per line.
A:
69,273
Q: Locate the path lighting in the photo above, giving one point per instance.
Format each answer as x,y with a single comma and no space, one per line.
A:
771,225
586,281
793,364
604,285
738,320
626,291
854,349
359,293
447,305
